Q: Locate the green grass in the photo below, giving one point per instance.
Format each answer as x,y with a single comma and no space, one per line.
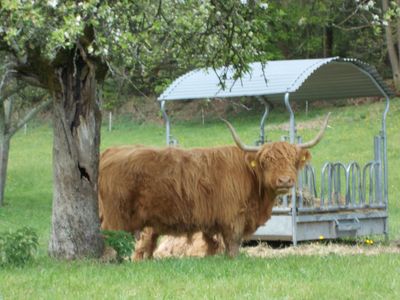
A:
28,202
328,277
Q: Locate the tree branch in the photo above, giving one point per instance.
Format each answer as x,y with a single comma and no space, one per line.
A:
7,89
31,79
85,57
348,17
29,115
8,92
351,28
5,79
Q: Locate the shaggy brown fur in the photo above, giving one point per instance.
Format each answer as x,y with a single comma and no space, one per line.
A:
180,246
175,191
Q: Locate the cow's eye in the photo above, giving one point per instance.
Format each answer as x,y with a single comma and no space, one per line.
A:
264,164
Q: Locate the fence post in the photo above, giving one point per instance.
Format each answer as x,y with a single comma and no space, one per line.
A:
110,121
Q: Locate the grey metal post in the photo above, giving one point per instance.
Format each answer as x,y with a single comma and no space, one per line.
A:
300,180
384,142
263,119
325,178
385,166
110,121
292,125
167,123
292,135
385,163
378,171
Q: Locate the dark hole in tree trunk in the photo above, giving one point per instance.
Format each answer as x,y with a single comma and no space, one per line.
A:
84,173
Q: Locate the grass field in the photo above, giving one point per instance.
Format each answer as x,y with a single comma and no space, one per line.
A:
28,202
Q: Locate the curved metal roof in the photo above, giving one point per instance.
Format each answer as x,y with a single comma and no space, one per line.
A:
304,79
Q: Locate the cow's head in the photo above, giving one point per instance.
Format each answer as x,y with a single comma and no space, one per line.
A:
277,164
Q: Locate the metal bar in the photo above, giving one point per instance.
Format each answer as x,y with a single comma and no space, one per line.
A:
371,167
285,197
364,181
337,181
339,208
309,175
300,180
385,163
312,180
292,128
325,178
281,210
330,173
292,134
371,184
263,119
359,184
285,200
167,123
110,121
353,184
378,171
349,215
385,167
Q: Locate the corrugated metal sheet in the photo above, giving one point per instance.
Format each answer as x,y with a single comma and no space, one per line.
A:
304,79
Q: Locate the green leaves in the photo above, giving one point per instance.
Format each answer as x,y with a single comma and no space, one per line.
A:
138,35
17,248
120,241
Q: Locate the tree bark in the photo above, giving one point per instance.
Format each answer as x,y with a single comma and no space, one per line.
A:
393,57
4,152
328,41
5,118
75,221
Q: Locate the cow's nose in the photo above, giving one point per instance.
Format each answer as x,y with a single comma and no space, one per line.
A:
285,181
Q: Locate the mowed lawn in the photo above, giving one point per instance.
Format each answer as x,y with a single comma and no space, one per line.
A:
349,138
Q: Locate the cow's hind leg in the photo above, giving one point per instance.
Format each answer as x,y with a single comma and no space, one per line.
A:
152,245
212,243
139,246
146,244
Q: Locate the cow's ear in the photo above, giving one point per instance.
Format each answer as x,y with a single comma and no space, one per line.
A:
253,164
251,161
304,156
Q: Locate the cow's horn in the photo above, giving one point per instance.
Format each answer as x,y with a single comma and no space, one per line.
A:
238,141
316,140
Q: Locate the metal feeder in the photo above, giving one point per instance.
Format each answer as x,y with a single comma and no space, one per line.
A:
353,199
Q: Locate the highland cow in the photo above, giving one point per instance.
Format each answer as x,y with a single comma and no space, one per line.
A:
227,190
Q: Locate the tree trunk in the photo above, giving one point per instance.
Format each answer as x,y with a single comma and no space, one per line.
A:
75,221
4,151
5,117
393,54
328,41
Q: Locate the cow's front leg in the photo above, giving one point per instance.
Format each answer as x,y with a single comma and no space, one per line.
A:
232,242
232,249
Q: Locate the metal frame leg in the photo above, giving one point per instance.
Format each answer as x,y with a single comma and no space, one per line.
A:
263,119
168,137
292,135
385,166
